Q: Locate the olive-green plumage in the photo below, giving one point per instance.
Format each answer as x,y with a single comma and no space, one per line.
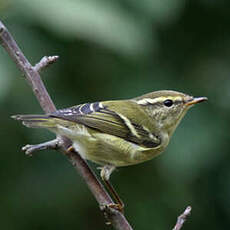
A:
122,132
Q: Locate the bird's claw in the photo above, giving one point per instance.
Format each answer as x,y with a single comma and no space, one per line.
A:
29,149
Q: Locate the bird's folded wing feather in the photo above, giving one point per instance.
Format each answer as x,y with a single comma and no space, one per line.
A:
98,117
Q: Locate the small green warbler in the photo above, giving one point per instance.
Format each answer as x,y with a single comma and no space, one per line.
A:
120,132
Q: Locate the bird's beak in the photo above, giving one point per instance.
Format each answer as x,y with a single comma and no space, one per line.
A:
195,100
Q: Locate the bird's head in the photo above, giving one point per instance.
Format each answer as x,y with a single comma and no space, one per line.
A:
167,107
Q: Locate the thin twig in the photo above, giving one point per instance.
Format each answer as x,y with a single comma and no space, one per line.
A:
45,62
31,74
182,218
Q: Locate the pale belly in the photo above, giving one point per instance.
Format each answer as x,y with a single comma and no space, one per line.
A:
105,149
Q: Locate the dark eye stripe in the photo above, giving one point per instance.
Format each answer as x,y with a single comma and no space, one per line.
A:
177,102
159,103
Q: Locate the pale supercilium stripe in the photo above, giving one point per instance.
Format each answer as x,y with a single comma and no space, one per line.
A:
146,101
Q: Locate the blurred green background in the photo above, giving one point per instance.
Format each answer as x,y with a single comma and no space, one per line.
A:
116,50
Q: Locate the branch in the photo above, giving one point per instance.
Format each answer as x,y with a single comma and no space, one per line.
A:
45,62
32,76
182,218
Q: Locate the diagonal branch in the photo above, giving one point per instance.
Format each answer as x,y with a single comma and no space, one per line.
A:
32,76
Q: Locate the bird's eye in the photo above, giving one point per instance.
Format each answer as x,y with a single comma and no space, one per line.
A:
168,102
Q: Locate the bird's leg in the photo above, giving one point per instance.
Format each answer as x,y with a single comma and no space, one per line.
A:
105,175
54,144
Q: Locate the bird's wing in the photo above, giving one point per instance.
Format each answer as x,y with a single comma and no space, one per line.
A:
99,117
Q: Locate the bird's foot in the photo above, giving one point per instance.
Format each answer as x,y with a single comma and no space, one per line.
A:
29,149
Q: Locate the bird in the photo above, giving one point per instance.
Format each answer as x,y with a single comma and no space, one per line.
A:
118,133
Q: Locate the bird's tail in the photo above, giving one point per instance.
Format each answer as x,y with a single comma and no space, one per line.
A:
36,121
